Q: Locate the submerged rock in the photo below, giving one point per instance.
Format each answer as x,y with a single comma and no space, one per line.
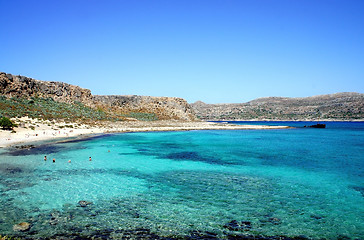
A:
13,170
274,220
359,189
84,203
262,237
55,217
238,226
197,235
316,217
139,233
25,146
7,168
21,227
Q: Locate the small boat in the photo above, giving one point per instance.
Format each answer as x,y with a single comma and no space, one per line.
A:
318,125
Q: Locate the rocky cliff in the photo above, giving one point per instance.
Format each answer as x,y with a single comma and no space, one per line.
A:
339,106
160,107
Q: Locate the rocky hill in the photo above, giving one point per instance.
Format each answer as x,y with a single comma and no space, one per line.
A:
20,86
164,107
14,90
21,96
339,106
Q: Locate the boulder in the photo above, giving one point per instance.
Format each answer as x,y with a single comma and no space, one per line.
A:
84,203
238,225
21,227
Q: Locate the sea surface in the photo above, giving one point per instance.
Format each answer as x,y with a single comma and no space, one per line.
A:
298,183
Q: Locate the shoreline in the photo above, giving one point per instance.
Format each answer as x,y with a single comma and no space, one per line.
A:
273,120
31,131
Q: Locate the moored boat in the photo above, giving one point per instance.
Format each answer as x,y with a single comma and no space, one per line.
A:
318,125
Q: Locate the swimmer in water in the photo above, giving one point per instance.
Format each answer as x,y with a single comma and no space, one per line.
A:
69,161
45,158
90,159
54,160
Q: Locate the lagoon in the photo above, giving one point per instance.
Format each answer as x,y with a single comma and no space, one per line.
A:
306,183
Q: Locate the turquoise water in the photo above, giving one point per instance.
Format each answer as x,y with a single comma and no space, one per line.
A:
306,183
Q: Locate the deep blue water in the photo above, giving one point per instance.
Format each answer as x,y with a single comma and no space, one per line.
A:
299,182
300,124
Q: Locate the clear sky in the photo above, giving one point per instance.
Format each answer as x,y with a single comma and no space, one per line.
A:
217,51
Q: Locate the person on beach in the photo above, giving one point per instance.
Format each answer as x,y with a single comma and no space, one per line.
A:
54,160
45,158
90,159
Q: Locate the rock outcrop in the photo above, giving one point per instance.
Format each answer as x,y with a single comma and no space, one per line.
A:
20,86
339,106
163,108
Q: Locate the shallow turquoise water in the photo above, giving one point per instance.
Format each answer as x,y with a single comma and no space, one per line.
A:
292,182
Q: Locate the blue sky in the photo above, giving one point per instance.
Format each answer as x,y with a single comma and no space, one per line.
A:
217,51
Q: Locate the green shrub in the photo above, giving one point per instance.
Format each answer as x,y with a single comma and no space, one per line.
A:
6,123
141,116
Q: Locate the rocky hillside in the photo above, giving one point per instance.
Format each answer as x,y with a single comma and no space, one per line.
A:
164,107
16,90
20,86
339,106
21,95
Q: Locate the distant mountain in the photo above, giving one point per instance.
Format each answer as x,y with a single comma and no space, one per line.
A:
338,106
20,96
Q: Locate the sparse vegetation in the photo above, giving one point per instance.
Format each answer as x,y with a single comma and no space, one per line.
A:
48,109
141,116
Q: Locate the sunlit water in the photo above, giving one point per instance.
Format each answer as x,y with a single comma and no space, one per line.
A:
301,182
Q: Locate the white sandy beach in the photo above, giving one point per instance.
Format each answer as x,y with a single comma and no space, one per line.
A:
33,130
